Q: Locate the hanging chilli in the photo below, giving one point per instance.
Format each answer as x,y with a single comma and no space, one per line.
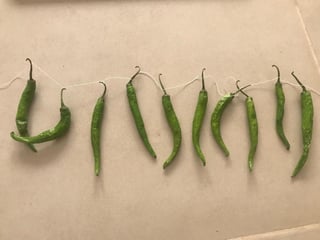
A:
96,123
216,119
306,125
24,106
253,127
135,110
173,124
198,120
280,110
59,130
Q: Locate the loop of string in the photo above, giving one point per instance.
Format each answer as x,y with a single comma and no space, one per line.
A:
217,86
184,85
152,78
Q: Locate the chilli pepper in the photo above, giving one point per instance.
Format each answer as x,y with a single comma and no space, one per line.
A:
198,120
280,110
134,107
306,125
253,127
59,130
96,122
216,119
25,102
173,124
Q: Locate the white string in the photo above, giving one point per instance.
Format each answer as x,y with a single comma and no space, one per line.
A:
47,74
184,84
263,82
237,92
314,91
94,82
150,76
16,77
257,83
107,79
298,86
217,86
284,82
234,79
291,84
8,84
80,84
168,88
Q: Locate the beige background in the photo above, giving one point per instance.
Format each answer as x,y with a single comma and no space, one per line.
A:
54,194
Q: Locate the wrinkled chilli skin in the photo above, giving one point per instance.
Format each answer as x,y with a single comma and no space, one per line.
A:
306,126
96,123
280,111
216,121
24,106
135,110
174,125
253,127
216,118
198,120
253,131
59,130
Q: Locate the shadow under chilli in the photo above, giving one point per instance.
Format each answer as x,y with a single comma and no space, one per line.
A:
50,153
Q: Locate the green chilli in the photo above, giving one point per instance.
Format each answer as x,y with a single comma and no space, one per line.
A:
280,110
216,119
24,106
253,128
135,110
59,130
173,124
306,125
198,120
96,122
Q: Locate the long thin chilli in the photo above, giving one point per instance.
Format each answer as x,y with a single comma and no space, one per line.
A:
135,110
173,124
253,128
198,120
280,110
306,125
96,122
253,131
24,106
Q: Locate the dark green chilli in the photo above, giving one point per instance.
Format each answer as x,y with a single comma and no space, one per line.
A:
253,128
134,107
280,110
59,130
96,122
198,120
307,125
24,107
173,124
216,119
